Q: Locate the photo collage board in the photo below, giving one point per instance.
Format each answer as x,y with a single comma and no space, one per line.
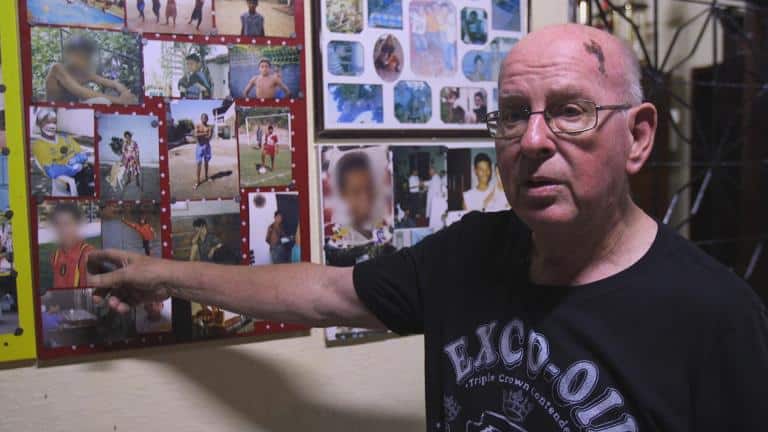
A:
411,68
169,128
377,200
17,322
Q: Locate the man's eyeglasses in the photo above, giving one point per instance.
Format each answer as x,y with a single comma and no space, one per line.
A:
569,118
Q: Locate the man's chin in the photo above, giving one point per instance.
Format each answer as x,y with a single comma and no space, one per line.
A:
548,216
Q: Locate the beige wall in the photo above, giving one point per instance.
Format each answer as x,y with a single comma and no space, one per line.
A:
286,385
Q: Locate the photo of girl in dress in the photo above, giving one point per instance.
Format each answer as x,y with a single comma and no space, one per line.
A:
129,157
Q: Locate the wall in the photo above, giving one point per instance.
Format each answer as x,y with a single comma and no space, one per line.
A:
286,385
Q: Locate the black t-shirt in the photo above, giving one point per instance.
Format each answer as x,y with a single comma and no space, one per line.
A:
675,342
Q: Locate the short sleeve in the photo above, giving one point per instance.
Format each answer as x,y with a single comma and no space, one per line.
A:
393,287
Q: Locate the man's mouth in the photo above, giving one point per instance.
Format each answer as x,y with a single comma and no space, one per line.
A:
541,182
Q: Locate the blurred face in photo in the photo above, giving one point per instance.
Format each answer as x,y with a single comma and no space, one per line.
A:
67,229
359,194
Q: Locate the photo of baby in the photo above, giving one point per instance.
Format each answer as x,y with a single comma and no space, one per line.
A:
85,66
186,70
129,157
264,72
62,148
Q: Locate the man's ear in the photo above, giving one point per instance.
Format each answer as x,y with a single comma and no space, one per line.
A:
642,122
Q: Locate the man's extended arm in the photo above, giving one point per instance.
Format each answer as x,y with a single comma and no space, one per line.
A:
308,294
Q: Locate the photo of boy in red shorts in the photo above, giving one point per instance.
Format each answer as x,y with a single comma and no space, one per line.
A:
270,148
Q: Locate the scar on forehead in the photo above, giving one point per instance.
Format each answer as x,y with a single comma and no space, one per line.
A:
596,50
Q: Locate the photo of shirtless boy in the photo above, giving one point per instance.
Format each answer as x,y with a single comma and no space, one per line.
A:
266,83
72,79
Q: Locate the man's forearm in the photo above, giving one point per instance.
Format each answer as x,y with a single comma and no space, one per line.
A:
308,294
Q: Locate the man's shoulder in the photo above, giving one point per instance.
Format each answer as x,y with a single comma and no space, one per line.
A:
701,280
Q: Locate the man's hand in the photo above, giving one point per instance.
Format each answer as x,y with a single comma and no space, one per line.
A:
136,279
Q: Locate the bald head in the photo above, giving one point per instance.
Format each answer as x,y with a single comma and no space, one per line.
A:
606,57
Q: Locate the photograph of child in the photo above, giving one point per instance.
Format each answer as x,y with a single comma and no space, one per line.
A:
344,16
355,103
484,65
473,182
9,300
420,186
85,66
67,231
357,215
264,142
345,58
264,72
388,57
154,317
256,18
132,227
209,231
274,227
433,38
202,149
186,70
91,13
474,26
171,16
463,105
506,15
413,102
357,204
62,150
129,157
80,317
385,14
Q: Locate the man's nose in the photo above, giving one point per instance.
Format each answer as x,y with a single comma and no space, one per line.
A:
537,142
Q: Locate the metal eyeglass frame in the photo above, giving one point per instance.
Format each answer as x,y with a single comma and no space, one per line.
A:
493,117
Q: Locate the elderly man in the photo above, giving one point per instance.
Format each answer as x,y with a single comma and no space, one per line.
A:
575,311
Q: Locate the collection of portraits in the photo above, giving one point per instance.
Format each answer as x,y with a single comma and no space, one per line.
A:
412,67
165,128
379,199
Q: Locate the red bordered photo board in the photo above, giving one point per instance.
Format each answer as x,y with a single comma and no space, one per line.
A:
84,183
